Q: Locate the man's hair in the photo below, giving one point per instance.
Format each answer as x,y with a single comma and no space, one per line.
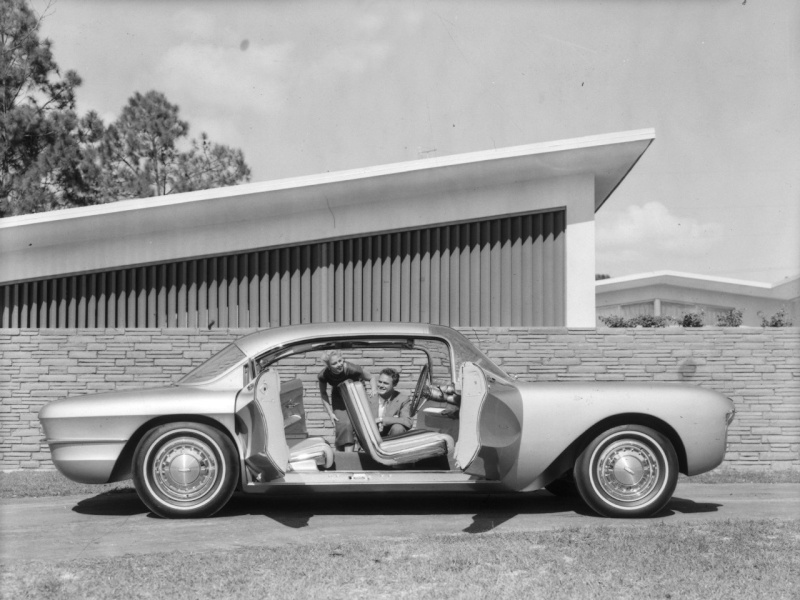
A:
328,355
393,373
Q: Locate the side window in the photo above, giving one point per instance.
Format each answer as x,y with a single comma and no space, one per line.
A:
438,353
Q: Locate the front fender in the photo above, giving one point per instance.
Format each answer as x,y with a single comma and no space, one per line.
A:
555,415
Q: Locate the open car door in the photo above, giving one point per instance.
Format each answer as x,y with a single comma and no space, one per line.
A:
259,408
489,429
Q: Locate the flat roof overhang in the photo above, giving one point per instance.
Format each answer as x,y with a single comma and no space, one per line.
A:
305,209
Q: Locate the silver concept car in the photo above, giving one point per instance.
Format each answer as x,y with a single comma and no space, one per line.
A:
238,422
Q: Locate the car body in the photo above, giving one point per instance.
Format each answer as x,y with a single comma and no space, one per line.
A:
238,421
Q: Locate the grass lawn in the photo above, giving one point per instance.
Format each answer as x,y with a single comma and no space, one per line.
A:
723,559
36,483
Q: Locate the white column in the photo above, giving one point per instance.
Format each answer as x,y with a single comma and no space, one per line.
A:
580,293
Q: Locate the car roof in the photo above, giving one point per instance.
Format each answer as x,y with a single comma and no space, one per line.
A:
278,336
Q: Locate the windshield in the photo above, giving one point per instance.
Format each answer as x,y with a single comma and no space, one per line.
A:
215,366
465,351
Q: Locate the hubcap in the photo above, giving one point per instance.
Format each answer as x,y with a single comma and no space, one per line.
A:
627,470
185,469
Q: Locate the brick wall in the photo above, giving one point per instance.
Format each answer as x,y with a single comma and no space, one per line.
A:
758,368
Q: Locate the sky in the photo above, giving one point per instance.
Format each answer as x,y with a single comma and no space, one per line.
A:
306,87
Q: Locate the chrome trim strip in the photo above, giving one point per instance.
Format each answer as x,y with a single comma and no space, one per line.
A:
84,441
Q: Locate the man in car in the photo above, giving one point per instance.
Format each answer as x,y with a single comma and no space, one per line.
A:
392,408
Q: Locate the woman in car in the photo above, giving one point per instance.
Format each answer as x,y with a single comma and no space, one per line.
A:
336,371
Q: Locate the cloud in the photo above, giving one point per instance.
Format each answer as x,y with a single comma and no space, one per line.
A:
220,77
237,75
651,232
364,49
353,59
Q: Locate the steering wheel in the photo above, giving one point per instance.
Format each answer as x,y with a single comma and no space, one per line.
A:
417,396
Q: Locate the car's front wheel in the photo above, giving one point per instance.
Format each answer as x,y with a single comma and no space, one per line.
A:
185,470
627,471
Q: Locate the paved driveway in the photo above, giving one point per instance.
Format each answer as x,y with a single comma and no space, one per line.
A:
64,528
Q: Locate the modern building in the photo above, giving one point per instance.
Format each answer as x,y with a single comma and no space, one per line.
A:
503,237
668,293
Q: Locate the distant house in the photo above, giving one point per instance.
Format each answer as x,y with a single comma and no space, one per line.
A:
668,293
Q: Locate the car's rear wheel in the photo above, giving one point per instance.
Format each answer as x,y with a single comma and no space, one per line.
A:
627,471
185,470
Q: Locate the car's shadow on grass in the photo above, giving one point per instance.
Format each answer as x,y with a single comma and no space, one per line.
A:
488,511
119,503
686,506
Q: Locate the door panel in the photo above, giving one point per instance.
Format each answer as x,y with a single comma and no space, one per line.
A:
259,408
490,426
293,409
473,395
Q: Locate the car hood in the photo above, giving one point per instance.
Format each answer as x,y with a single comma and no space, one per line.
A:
611,390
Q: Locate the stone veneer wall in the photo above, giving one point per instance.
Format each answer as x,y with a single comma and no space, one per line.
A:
758,368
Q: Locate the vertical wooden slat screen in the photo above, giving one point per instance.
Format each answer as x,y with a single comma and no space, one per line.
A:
500,272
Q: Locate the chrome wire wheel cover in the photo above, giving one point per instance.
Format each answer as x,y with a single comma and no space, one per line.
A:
185,469
628,470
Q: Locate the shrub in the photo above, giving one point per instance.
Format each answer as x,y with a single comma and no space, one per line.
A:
614,321
651,321
692,320
637,321
779,319
732,318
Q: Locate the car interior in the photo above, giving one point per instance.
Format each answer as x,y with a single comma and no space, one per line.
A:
281,417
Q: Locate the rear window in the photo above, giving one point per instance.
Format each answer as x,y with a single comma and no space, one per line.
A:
217,365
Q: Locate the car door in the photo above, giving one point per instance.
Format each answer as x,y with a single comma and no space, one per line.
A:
490,425
259,408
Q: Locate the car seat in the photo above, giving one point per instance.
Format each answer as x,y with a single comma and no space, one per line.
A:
409,447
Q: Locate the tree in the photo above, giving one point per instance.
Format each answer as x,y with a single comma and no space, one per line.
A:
210,165
140,154
51,158
41,163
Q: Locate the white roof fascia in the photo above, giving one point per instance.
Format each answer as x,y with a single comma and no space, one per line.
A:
61,242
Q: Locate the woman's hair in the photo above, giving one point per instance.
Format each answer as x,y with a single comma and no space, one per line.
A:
393,373
328,355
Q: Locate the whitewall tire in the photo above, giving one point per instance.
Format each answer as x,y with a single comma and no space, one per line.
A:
185,470
627,471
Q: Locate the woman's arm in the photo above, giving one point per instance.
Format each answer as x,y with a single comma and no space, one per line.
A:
326,401
373,382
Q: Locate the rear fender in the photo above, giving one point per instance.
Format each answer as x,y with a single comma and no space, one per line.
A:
123,467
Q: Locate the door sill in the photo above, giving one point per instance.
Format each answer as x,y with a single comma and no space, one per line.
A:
345,481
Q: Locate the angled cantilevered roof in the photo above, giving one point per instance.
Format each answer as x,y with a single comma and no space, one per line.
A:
306,209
